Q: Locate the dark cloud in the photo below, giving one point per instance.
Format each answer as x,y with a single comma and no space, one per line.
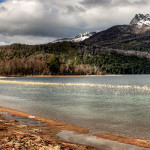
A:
96,2
133,2
113,3
73,9
2,9
51,19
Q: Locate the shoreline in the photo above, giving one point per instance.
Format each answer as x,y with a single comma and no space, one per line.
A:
58,126
12,76
17,135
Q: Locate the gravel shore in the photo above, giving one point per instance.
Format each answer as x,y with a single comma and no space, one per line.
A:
17,136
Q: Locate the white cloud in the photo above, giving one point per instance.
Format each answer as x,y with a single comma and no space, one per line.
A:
39,21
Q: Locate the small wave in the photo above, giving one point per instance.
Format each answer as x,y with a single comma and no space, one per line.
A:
134,87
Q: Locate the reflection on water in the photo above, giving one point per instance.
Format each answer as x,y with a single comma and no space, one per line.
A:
23,120
118,105
94,141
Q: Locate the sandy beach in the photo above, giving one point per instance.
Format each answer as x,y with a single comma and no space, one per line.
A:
15,135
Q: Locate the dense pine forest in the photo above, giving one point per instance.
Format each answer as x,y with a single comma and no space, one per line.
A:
66,58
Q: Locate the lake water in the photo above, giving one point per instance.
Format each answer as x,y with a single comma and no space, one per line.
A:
109,104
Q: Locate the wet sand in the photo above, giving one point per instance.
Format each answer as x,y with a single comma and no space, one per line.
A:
56,124
126,140
15,135
54,127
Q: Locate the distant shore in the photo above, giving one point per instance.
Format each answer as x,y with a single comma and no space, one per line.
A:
58,126
61,76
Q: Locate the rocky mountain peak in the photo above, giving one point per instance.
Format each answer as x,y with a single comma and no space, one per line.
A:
141,20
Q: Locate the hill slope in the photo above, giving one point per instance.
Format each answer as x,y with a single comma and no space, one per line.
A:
122,49
123,37
67,59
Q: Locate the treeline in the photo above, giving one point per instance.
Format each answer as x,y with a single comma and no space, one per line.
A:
24,66
46,59
113,63
66,59
52,66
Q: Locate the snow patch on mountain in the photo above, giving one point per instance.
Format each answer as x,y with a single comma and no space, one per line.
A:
83,36
143,23
78,38
141,20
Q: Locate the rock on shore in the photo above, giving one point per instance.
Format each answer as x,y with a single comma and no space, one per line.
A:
16,136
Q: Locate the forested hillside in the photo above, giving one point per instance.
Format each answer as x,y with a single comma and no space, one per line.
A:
67,58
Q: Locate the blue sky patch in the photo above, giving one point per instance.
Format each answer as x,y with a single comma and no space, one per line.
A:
2,1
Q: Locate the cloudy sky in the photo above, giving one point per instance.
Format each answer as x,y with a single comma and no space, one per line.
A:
42,21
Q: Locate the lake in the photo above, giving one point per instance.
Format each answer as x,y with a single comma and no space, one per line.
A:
108,104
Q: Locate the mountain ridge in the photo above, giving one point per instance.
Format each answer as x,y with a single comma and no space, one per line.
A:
80,37
123,37
138,26
121,49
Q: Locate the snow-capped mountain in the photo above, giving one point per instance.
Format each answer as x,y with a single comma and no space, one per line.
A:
141,20
83,36
78,38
